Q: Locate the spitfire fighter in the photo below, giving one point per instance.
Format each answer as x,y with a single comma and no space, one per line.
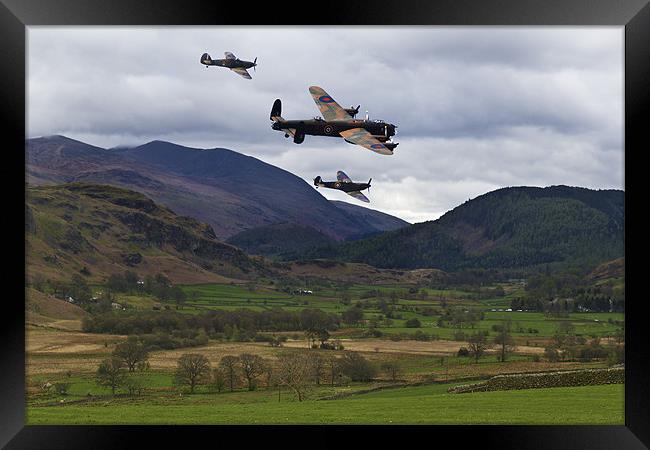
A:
374,135
346,185
232,62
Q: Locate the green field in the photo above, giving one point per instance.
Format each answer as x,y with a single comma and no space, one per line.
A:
412,405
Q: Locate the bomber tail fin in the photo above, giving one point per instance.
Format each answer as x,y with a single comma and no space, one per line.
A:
276,111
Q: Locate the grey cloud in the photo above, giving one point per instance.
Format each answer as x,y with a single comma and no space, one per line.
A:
477,108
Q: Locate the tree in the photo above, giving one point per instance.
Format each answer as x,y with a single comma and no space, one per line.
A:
352,316
179,296
229,365
477,345
393,369
357,367
134,386
334,369
551,354
132,352
192,369
111,373
317,365
413,323
504,340
252,366
294,372
218,379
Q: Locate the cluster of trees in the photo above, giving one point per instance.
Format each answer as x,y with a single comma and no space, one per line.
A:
298,371
566,346
127,357
570,291
158,286
459,317
237,325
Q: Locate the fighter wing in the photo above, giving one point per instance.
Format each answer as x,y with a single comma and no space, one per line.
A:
328,107
359,196
341,176
243,72
230,55
363,138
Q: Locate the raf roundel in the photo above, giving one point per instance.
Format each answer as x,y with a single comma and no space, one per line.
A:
326,99
377,146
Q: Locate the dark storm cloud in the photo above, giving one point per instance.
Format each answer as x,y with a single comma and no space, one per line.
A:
477,108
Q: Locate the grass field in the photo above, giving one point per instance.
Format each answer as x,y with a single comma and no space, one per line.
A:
412,405
64,356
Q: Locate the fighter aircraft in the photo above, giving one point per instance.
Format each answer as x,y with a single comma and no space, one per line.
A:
232,62
374,135
346,185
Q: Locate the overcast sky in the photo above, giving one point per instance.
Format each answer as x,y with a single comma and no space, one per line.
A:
478,108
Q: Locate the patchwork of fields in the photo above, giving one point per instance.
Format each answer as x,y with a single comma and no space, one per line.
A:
62,355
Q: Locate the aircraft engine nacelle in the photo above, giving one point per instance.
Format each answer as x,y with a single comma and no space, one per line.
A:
299,137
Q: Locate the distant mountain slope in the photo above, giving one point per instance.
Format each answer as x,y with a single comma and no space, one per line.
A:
107,230
230,191
282,240
508,228
379,220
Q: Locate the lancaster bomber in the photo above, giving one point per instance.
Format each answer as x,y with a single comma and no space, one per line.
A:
346,185
374,135
232,62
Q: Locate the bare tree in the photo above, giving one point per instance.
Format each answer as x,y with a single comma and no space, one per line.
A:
334,369
132,352
229,365
477,345
294,372
192,369
393,369
317,365
268,375
218,379
252,366
504,340
111,373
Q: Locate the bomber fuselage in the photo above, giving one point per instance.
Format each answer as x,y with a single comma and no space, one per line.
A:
320,127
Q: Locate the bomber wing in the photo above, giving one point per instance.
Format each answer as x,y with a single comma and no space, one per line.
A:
230,55
328,107
363,138
359,196
341,176
243,72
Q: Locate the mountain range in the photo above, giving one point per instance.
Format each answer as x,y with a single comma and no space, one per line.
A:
228,190
515,227
268,211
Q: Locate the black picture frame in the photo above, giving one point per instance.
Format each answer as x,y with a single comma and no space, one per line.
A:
16,15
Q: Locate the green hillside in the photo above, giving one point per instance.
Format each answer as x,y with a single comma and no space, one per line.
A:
508,228
98,230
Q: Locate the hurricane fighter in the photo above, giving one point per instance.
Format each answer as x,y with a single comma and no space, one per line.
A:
232,62
345,184
374,135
